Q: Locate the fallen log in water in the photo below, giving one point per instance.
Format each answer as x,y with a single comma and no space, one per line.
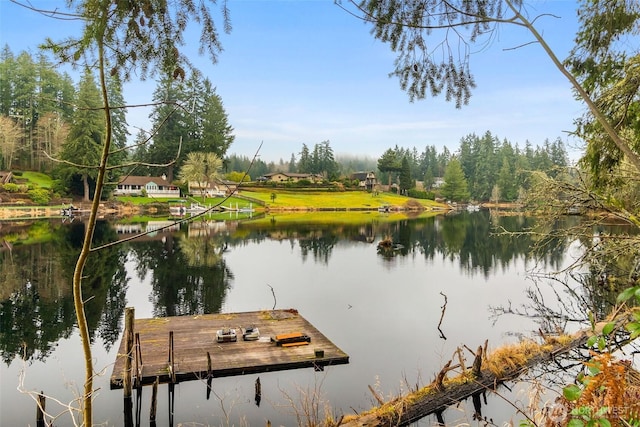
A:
504,364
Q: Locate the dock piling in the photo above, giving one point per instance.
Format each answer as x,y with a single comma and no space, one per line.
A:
40,407
258,394
171,367
129,316
154,402
209,375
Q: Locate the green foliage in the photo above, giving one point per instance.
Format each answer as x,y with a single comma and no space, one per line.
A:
421,69
83,148
455,184
320,161
236,176
406,182
417,194
201,168
58,187
608,70
634,326
11,187
39,196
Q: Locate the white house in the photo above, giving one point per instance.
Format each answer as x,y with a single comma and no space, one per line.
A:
154,186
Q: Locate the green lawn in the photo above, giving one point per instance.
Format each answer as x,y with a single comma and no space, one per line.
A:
329,217
301,200
38,179
328,199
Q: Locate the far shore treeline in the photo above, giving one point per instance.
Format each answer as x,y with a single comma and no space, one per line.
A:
39,107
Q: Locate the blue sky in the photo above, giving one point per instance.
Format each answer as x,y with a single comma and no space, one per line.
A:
305,71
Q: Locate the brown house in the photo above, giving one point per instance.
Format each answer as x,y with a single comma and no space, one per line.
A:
366,180
291,177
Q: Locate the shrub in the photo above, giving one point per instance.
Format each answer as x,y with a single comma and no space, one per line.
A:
58,187
39,196
417,194
11,187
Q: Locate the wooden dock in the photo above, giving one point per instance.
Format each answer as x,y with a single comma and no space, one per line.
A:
183,348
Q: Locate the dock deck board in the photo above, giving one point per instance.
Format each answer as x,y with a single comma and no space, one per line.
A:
194,336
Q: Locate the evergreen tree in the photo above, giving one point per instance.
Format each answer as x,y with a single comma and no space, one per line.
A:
7,80
292,163
428,179
82,150
217,133
406,180
171,125
304,164
455,184
119,126
389,163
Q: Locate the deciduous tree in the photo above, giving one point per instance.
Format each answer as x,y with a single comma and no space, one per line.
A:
201,168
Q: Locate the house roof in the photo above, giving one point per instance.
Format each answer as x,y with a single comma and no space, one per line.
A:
362,175
290,174
143,180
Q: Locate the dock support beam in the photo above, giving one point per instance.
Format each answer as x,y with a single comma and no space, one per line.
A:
41,403
129,316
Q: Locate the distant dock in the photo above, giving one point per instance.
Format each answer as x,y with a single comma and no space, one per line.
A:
182,348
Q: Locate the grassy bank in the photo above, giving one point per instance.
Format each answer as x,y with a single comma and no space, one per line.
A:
274,199
332,200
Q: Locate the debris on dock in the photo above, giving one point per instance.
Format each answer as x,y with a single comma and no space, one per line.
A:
183,348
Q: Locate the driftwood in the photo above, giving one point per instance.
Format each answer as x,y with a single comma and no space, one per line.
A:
439,395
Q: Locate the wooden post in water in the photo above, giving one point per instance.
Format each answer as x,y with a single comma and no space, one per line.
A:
138,357
40,406
209,375
154,403
129,316
258,394
172,379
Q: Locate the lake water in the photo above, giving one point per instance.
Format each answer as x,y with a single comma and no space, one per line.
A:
399,316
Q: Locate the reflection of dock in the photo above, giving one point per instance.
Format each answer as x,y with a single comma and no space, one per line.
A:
196,354
151,230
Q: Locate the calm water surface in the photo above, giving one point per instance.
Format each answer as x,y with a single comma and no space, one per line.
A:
382,309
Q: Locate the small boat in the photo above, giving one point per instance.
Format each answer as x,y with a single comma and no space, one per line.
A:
196,208
68,211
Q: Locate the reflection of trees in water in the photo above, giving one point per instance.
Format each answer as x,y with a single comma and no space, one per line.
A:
319,246
474,240
37,305
188,275
602,267
202,251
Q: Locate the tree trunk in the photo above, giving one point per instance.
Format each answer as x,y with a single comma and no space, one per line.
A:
85,186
